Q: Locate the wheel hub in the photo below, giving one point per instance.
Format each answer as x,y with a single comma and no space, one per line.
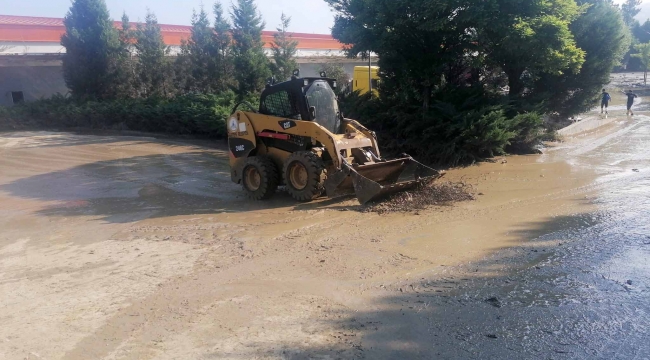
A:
252,178
298,176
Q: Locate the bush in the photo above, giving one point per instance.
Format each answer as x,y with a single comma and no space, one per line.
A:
445,134
184,115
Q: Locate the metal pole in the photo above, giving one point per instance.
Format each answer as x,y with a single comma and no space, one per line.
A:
369,74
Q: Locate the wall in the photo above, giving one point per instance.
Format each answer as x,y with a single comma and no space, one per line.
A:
38,82
35,82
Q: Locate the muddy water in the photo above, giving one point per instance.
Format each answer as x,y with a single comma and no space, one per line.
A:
136,248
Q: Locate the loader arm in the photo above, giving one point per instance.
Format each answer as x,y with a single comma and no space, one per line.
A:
333,143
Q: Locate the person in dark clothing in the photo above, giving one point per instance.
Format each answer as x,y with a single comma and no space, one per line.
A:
630,101
604,102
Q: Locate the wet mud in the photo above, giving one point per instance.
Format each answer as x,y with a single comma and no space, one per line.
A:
119,247
437,193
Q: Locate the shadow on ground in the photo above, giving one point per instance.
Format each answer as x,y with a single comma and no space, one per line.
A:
136,188
130,189
550,298
81,137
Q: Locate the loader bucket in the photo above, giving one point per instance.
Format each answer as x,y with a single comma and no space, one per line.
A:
375,181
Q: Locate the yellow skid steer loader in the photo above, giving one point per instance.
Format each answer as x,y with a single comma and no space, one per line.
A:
298,137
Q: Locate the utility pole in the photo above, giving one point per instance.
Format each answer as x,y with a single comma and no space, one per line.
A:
369,74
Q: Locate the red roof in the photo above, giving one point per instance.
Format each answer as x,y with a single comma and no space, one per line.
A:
41,29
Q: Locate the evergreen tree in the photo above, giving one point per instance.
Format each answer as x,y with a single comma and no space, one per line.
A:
223,74
152,66
284,51
630,9
124,81
196,61
251,64
92,50
126,32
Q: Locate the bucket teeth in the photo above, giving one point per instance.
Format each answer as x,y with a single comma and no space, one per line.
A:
375,181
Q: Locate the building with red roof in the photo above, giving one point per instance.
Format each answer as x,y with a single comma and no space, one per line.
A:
31,52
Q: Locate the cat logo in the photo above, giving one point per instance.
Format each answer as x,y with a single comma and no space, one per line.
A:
287,124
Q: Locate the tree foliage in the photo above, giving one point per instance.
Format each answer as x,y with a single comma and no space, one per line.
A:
284,51
195,62
223,73
90,64
126,72
336,71
423,45
528,37
630,9
250,62
601,33
153,69
643,54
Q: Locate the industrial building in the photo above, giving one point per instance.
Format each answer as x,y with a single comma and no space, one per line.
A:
31,53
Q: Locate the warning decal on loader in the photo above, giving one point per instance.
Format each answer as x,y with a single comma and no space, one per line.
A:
233,124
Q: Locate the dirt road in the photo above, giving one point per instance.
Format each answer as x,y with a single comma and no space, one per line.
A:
135,248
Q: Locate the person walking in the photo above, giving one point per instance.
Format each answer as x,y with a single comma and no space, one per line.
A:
604,102
630,101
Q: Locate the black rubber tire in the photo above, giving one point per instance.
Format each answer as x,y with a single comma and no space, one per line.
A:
316,175
269,177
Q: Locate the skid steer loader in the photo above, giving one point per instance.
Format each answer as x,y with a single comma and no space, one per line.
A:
298,137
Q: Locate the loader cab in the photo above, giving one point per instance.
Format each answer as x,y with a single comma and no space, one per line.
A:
310,99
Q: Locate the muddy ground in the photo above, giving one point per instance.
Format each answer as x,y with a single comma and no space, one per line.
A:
115,247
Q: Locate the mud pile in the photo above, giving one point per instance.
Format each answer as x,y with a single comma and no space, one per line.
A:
422,197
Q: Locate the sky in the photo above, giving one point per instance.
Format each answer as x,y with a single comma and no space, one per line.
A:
309,16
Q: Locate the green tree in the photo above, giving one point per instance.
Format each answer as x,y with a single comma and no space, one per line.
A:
196,59
643,54
124,81
223,73
605,38
336,71
205,62
153,69
630,9
642,32
426,45
284,50
530,37
250,63
92,50
416,41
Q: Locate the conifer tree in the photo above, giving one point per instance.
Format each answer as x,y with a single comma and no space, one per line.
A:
284,51
223,77
92,50
251,64
196,62
152,66
124,80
